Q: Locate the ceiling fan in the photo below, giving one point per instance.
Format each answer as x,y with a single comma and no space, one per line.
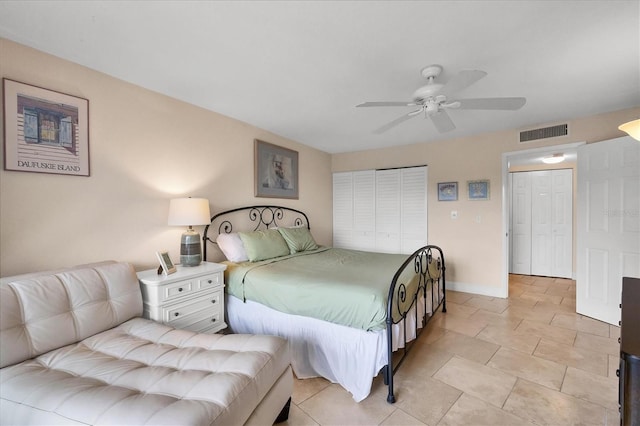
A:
431,100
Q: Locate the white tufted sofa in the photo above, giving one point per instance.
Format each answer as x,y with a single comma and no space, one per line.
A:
74,350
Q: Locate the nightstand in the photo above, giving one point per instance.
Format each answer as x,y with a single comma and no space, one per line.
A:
192,298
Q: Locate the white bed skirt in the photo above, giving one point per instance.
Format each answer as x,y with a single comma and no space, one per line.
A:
348,356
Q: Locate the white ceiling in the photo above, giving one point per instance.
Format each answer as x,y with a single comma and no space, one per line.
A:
298,69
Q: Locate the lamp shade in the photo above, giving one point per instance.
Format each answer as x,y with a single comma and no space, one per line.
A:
632,128
189,211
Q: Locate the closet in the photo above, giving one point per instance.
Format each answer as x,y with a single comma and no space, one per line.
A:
541,237
380,210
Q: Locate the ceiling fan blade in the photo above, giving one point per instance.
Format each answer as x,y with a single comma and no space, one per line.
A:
462,80
442,121
492,103
382,104
395,122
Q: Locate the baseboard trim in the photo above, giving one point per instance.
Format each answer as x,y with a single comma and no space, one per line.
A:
476,289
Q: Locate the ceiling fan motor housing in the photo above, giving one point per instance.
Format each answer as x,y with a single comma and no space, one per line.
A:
428,91
425,92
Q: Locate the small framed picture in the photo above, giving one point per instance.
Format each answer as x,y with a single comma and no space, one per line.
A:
447,191
478,189
166,264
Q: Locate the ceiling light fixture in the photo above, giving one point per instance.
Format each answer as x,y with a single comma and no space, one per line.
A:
553,159
632,128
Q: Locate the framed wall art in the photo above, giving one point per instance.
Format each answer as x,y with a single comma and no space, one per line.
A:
45,131
276,171
478,189
447,191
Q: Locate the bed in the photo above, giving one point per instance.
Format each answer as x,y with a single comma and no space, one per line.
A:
348,315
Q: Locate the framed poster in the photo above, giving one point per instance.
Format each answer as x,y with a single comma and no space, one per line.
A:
447,191
478,189
45,131
276,171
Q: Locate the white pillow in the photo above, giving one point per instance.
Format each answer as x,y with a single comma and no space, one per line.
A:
232,247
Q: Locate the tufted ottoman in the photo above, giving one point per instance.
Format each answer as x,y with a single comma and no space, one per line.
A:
74,351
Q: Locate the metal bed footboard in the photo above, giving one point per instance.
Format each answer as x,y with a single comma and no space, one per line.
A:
430,270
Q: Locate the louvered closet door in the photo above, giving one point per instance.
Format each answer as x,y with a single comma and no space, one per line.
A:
342,209
364,205
380,210
413,209
388,196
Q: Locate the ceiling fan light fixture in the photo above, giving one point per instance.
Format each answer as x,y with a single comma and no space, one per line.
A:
632,128
553,159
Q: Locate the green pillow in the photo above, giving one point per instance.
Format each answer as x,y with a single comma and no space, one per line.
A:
298,239
261,245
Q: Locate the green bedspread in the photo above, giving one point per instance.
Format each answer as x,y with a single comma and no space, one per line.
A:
342,286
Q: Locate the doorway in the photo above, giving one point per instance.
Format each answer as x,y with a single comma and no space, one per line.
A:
529,160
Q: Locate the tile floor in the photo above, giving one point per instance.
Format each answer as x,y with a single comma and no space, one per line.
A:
525,360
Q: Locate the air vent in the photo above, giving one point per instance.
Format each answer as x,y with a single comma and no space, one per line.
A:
546,132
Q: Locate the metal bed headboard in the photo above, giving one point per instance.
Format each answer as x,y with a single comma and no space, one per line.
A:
256,217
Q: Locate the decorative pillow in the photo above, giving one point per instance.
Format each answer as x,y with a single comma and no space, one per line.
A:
298,239
232,247
262,245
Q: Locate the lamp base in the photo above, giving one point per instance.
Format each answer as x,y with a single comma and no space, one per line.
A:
190,249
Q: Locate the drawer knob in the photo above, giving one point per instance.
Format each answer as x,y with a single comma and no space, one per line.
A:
618,372
180,289
213,301
618,339
176,314
213,320
210,281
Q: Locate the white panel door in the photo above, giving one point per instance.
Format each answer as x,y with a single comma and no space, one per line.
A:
608,226
541,248
562,223
388,195
342,209
520,223
364,213
413,213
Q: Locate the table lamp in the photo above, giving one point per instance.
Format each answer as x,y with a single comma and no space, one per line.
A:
189,212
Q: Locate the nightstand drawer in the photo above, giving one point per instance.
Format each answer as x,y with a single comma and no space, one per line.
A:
183,314
210,281
211,321
174,291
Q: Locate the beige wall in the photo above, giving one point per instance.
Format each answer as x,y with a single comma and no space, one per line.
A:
145,149
473,243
